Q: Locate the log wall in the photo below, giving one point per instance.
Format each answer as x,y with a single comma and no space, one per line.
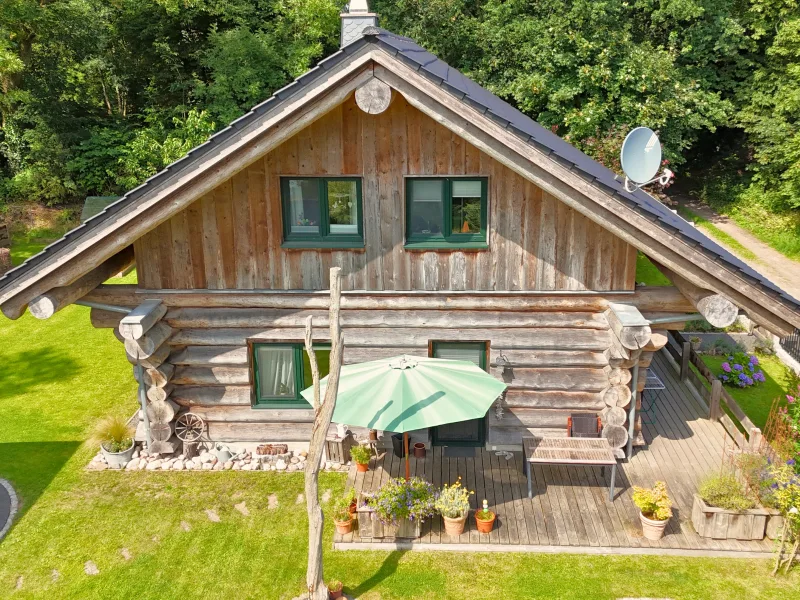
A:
231,238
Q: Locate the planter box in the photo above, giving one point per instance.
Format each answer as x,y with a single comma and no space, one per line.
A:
722,524
370,526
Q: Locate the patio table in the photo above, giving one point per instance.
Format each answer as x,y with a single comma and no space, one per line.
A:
569,451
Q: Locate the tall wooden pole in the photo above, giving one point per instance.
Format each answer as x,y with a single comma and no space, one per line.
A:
323,414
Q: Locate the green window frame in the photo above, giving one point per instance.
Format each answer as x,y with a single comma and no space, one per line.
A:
446,238
301,376
324,237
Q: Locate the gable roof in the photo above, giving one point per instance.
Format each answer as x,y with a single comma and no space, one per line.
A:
456,84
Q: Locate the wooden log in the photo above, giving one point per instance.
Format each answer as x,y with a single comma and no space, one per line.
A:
549,338
511,437
529,417
567,379
161,412
374,96
156,394
274,432
212,375
655,298
141,319
246,414
104,319
616,435
204,318
207,356
168,447
212,396
658,339
160,432
617,395
160,376
614,415
148,344
628,325
715,308
584,401
544,358
46,305
150,362
643,360
618,376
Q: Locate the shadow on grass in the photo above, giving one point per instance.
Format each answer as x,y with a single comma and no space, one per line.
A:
31,466
387,569
25,370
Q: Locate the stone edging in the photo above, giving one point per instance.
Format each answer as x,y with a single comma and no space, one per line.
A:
14,507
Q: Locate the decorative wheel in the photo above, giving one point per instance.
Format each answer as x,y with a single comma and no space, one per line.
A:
189,427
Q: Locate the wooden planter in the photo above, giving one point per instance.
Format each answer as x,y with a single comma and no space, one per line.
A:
370,526
722,524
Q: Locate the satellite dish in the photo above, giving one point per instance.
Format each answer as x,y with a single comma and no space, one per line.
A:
641,157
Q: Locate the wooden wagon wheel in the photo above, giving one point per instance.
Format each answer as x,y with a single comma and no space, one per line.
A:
189,428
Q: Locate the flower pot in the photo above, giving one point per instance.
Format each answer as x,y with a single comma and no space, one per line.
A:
373,435
419,450
397,445
723,524
362,468
344,526
454,526
333,595
485,525
353,507
118,459
652,529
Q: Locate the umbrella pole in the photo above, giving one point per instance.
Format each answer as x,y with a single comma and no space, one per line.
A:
405,445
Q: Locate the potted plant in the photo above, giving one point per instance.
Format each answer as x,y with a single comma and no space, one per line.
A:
696,341
343,509
402,506
453,504
115,437
655,509
723,510
334,589
484,518
361,456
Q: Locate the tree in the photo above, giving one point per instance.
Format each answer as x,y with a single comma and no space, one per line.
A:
323,414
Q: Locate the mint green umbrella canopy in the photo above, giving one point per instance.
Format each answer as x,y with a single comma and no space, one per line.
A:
405,393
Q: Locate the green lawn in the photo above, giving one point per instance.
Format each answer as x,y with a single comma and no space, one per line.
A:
755,401
60,375
647,273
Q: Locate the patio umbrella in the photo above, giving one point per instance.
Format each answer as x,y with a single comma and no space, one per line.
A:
405,393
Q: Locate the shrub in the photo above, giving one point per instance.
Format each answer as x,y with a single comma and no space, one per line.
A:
114,434
360,454
725,491
654,503
400,499
741,370
341,506
453,500
334,585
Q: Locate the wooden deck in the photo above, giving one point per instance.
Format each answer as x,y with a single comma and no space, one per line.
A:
570,510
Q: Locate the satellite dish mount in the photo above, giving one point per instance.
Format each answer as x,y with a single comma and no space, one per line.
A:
641,158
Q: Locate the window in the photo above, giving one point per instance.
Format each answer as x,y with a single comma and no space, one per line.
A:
446,212
282,371
322,212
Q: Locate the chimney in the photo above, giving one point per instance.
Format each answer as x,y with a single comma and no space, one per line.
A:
356,20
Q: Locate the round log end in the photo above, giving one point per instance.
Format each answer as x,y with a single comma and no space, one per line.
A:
718,310
42,307
374,96
617,395
616,435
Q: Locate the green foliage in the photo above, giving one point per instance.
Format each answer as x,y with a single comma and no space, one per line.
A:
114,434
723,490
341,505
453,500
360,454
654,502
399,499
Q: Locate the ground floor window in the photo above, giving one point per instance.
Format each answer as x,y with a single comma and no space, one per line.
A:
280,371
464,433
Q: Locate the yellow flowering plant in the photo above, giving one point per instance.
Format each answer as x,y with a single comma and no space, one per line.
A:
453,500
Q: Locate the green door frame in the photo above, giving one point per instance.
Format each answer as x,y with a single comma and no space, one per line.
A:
481,422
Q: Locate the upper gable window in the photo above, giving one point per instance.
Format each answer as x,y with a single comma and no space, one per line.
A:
446,212
322,212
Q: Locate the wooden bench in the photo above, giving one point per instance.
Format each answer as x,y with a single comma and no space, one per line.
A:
585,452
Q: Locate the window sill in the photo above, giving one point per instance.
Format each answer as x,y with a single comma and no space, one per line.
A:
281,404
447,246
321,245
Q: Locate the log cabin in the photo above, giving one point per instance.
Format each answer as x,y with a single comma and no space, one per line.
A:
463,229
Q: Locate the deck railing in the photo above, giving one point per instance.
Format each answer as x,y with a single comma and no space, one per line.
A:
722,406
792,345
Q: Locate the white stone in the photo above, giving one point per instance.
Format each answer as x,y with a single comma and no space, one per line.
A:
181,456
336,465
132,465
135,454
228,465
328,464
302,458
178,465
237,466
166,465
207,466
255,466
292,467
152,466
142,463
280,465
206,457
294,460
304,454
217,466
188,465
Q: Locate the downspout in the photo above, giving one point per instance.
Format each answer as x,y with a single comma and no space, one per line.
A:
141,393
632,411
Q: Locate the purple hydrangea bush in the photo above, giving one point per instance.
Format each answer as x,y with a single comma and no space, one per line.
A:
741,370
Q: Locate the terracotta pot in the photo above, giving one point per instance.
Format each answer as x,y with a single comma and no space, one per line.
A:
362,468
652,529
419,450
485,526
344,526
334,595
353,507
454,527
373,435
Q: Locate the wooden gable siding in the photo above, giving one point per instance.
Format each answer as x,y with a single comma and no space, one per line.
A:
232,237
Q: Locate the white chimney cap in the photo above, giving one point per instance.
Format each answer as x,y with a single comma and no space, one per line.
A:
358,6
356,20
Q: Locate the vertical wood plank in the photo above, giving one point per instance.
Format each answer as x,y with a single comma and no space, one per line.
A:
182,276
194,216
243,227
223,201
214,265
259,225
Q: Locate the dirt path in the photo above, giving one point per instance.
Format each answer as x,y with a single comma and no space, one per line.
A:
781,270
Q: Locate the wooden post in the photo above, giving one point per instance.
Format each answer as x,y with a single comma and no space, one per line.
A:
685,356
323,414
755,439
714,409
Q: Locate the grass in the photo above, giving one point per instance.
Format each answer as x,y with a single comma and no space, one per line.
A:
647,273
756,401
59,376
717,233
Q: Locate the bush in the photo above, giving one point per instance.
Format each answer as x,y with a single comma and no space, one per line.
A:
453,500
400,499
654,503
725,491
741,370
360,454
341,506
114,434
